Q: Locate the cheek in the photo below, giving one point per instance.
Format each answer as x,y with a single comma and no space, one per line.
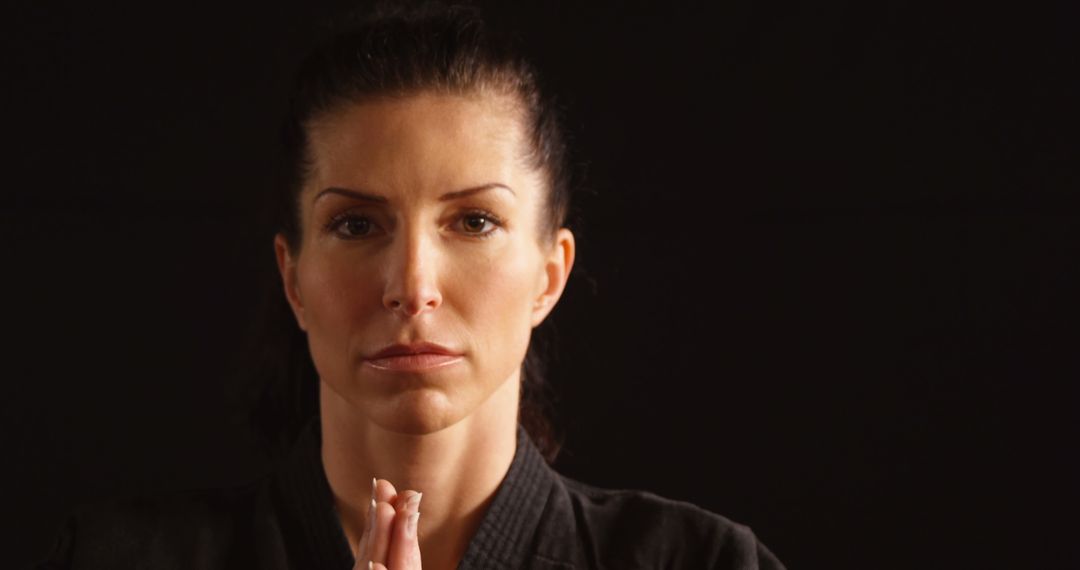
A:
339,298
495,295
336,295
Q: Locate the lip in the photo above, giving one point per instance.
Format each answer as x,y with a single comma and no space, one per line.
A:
414,357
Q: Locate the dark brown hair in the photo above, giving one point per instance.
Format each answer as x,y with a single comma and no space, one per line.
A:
397,50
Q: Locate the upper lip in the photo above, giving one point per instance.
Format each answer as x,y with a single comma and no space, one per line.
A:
414,348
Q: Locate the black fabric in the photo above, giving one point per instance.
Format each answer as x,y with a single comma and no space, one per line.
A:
538,519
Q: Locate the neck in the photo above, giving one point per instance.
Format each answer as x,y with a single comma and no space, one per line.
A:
458,468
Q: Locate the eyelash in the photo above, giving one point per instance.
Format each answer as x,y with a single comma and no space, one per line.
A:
337,221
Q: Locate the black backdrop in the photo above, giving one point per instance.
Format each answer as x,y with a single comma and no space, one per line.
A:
826,271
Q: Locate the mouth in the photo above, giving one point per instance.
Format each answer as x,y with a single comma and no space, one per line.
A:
415,357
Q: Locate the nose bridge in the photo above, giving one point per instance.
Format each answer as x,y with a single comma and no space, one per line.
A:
412,284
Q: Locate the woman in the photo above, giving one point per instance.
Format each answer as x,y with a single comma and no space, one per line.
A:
422,241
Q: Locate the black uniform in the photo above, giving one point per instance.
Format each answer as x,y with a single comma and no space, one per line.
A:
538,519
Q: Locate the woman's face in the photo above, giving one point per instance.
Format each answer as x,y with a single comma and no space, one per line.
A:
421,223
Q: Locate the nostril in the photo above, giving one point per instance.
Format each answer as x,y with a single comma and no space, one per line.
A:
410,306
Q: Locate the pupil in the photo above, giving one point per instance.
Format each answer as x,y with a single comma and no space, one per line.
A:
358,226
475,223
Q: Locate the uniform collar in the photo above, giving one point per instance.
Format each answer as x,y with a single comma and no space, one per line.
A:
506,538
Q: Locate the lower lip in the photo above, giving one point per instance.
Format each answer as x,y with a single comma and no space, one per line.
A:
413,362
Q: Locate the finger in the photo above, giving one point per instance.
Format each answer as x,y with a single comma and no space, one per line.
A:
379,545
377,567
400,502
362,563
363,558
381,491
362,554
405,545
385,491
363,548
362,551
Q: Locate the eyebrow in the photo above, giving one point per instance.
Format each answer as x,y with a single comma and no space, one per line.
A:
455,195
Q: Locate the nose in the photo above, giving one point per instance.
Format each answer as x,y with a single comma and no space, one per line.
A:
412,285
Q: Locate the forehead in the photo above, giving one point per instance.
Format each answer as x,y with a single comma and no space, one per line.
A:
420,142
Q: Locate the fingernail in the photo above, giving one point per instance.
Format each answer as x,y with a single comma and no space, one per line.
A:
373,487
370,565
371,515
414,502
413,521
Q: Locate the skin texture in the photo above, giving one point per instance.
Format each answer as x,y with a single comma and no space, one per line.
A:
413,267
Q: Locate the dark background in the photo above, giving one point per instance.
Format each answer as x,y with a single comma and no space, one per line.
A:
826,276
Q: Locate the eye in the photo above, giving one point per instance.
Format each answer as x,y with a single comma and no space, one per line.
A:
351,226
479,224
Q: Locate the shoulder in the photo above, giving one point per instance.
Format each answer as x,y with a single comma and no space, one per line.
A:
635,528
165,528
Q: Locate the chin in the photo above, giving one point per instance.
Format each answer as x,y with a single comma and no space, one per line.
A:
420,412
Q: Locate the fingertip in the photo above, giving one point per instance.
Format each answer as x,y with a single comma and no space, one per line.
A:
405,501
384,491
384,511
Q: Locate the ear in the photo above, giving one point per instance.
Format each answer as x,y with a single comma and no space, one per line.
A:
557,266
287,267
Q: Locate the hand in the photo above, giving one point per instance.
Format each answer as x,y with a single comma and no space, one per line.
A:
390,538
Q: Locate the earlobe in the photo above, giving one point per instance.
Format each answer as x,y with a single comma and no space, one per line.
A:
557,268
287,268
